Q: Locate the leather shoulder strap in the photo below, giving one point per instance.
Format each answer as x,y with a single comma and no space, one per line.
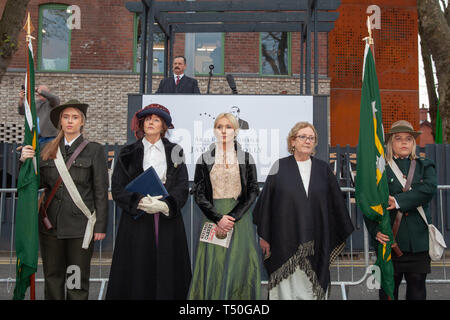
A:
68,164
412,168
399,216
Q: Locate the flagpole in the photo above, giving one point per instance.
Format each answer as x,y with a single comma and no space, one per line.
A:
29,28
370,43
369,39
372,197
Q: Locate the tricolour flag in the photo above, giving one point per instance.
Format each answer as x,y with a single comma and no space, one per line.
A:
372,192
26,228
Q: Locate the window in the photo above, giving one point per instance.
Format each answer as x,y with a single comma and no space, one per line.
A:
54,38
275,53
158,48
208,51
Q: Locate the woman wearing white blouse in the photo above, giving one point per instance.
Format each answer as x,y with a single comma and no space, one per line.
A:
302,220
151,257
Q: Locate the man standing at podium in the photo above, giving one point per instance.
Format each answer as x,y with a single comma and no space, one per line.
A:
179,82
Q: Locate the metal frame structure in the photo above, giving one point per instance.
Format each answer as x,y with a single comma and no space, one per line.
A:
305,16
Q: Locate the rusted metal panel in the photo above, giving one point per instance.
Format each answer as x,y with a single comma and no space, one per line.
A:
396,56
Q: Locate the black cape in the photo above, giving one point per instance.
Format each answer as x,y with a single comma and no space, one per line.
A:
306,232
139,270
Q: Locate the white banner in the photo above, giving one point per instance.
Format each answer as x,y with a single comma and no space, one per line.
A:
265,122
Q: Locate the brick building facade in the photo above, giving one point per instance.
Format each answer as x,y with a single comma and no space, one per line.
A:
102,55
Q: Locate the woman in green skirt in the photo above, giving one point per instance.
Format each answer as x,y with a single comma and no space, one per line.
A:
225,187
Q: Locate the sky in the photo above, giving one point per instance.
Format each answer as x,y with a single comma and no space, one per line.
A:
423,94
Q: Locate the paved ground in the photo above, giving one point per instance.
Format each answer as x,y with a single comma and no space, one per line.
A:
347,270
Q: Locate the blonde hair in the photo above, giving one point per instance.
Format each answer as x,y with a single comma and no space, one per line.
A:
293,134
231,118
50,149
390,150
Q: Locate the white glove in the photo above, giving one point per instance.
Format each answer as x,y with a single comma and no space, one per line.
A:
151,205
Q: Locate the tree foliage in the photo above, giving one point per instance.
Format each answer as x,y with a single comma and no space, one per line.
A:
11,24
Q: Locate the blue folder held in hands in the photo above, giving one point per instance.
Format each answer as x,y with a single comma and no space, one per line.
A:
146,183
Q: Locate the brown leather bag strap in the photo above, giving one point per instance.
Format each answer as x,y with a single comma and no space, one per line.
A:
398,219
395,227
399,216
59,181
412,168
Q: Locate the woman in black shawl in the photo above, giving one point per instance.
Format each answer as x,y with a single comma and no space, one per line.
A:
302,220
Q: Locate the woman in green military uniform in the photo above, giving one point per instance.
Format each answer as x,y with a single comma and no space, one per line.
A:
413,263
67,242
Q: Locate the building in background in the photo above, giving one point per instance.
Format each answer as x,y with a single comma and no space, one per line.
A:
98,63
425,126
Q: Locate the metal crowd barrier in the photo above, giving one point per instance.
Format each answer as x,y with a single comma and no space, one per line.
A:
10,281
368,271
190,221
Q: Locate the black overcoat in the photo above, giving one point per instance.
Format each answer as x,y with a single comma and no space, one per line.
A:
139,269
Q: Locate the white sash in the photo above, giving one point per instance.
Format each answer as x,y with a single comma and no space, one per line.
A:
402,181
75,195
436,240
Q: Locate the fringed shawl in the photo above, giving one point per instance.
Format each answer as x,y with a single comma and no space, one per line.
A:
305,232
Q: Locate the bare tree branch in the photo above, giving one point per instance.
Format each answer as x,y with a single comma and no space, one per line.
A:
269,59
10,26
435,33
429,78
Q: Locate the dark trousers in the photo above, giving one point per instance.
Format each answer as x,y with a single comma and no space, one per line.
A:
415,286
59,254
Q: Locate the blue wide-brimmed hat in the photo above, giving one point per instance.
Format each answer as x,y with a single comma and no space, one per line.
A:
153,108
157,109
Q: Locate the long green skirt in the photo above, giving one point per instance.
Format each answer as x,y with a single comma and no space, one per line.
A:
232,273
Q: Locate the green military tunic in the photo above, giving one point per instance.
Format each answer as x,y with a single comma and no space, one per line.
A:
412,236
413,232
61,246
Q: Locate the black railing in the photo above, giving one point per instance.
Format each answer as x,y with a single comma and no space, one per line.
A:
342,162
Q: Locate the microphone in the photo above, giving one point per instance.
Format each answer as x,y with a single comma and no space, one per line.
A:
231,83
211,67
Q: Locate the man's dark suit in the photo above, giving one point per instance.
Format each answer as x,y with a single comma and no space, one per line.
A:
243,125
186,85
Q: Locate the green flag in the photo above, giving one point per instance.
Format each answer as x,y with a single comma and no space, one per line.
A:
438,133
372,191
26,228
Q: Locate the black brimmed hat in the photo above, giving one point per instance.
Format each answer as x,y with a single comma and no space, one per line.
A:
56,112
